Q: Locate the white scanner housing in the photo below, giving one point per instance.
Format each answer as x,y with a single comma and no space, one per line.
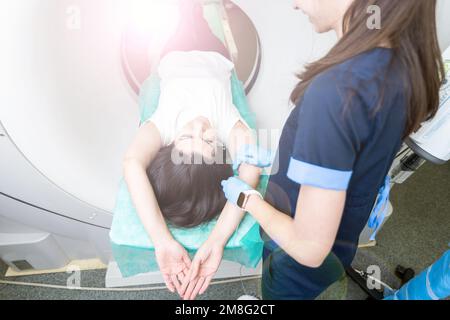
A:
432,141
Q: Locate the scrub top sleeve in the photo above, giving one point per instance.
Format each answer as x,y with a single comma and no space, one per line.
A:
331,126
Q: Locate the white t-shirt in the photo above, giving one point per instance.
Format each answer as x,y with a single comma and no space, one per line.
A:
195,84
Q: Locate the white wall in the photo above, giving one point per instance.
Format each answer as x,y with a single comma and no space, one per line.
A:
288,42
443,19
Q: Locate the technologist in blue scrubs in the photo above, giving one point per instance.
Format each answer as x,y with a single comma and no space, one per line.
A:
353,109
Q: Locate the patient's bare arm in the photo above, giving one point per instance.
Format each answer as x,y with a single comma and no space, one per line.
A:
207,259
231,215
138,157
172,258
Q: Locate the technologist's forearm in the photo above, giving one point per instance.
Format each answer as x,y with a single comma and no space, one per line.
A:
281,228
145,203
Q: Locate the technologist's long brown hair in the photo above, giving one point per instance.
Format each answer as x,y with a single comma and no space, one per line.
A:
409,27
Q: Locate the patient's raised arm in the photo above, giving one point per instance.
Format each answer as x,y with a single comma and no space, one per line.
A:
231,215
207,259
241,136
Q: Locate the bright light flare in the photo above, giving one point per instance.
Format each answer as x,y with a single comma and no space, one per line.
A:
158,17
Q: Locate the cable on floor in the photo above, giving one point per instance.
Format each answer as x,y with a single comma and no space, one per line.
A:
45,285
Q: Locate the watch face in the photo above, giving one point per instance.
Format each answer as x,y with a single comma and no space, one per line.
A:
241,200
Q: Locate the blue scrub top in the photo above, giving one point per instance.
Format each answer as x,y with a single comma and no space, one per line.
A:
339,137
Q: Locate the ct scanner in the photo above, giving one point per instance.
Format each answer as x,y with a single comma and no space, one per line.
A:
68,113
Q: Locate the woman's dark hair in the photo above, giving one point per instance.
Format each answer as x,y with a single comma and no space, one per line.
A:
188,193
409,27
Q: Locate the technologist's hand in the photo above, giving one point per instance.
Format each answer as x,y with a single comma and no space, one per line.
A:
233,188
174,263
254,155
204,267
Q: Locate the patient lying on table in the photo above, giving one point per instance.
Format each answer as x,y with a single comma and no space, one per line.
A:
185,142
196,122
195,119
